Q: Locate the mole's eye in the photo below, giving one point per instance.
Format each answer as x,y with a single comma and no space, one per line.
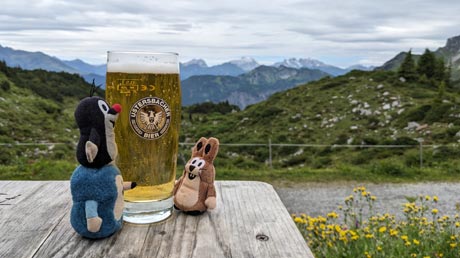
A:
103,106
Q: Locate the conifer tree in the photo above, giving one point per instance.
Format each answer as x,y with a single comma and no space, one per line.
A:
407,68
448,74
440,70
441,90
427,64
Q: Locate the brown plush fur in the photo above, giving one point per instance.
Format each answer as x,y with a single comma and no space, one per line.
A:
194,191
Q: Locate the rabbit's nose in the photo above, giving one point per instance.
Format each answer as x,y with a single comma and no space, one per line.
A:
191,168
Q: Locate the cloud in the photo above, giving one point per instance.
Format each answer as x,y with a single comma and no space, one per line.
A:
342,31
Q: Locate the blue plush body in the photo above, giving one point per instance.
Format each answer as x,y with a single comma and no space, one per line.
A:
91,188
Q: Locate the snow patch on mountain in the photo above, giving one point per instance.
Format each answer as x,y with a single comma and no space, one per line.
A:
199,62
245,63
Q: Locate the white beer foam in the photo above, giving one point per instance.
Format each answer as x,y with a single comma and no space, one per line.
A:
132,62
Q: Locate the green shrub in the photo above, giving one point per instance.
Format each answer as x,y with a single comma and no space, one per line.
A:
404,141
451,132
48,106
418,114
334,83
295,160
5,85
321,162
390,167
438,113
443,153
363,157
381,76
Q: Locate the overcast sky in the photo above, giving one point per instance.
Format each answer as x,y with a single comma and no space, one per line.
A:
341,33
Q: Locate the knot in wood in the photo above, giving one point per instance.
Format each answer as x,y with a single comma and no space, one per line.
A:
262,237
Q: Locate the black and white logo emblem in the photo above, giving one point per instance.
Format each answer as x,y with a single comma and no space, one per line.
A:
150,117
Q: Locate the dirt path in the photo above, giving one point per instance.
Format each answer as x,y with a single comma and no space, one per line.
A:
320,198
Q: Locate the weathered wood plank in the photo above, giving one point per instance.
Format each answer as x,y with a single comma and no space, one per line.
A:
29,212
250,221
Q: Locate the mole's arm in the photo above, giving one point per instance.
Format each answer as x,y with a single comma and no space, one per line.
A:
92,218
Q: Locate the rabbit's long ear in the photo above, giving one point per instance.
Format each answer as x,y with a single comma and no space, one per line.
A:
197,150
210,149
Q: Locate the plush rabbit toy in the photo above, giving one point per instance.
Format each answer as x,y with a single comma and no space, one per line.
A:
96,185
194,191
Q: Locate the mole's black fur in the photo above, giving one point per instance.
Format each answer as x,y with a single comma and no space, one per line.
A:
90,118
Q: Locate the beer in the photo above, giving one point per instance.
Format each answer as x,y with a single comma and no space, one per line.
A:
147,86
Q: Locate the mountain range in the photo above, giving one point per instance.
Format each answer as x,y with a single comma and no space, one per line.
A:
39,60
245,89
241,82
246,64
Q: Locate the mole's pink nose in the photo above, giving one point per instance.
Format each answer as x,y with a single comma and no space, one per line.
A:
117,107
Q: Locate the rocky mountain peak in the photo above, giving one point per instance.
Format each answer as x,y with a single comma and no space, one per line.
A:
199,62
453,44
245,63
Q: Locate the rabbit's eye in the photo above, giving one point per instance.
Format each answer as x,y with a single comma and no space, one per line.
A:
201,164
195,161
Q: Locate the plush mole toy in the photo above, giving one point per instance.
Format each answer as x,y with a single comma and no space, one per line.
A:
194,191
96,185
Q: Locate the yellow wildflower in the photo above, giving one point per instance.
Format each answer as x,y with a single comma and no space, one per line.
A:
298,220
416,242
413,255
453,245
337,228
382,229
457,224
427,197
434,211
407,243
332,215
404,237
373,198
379,248
435,198
393,232
369,236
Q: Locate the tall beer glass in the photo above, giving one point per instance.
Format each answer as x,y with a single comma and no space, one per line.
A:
147,86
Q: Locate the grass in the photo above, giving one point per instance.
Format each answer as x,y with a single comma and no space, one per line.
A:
358,232
58,163
42,169
343,173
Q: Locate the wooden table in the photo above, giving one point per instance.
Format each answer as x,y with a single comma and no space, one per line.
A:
250,221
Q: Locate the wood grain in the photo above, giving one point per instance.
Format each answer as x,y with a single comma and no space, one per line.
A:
250,221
